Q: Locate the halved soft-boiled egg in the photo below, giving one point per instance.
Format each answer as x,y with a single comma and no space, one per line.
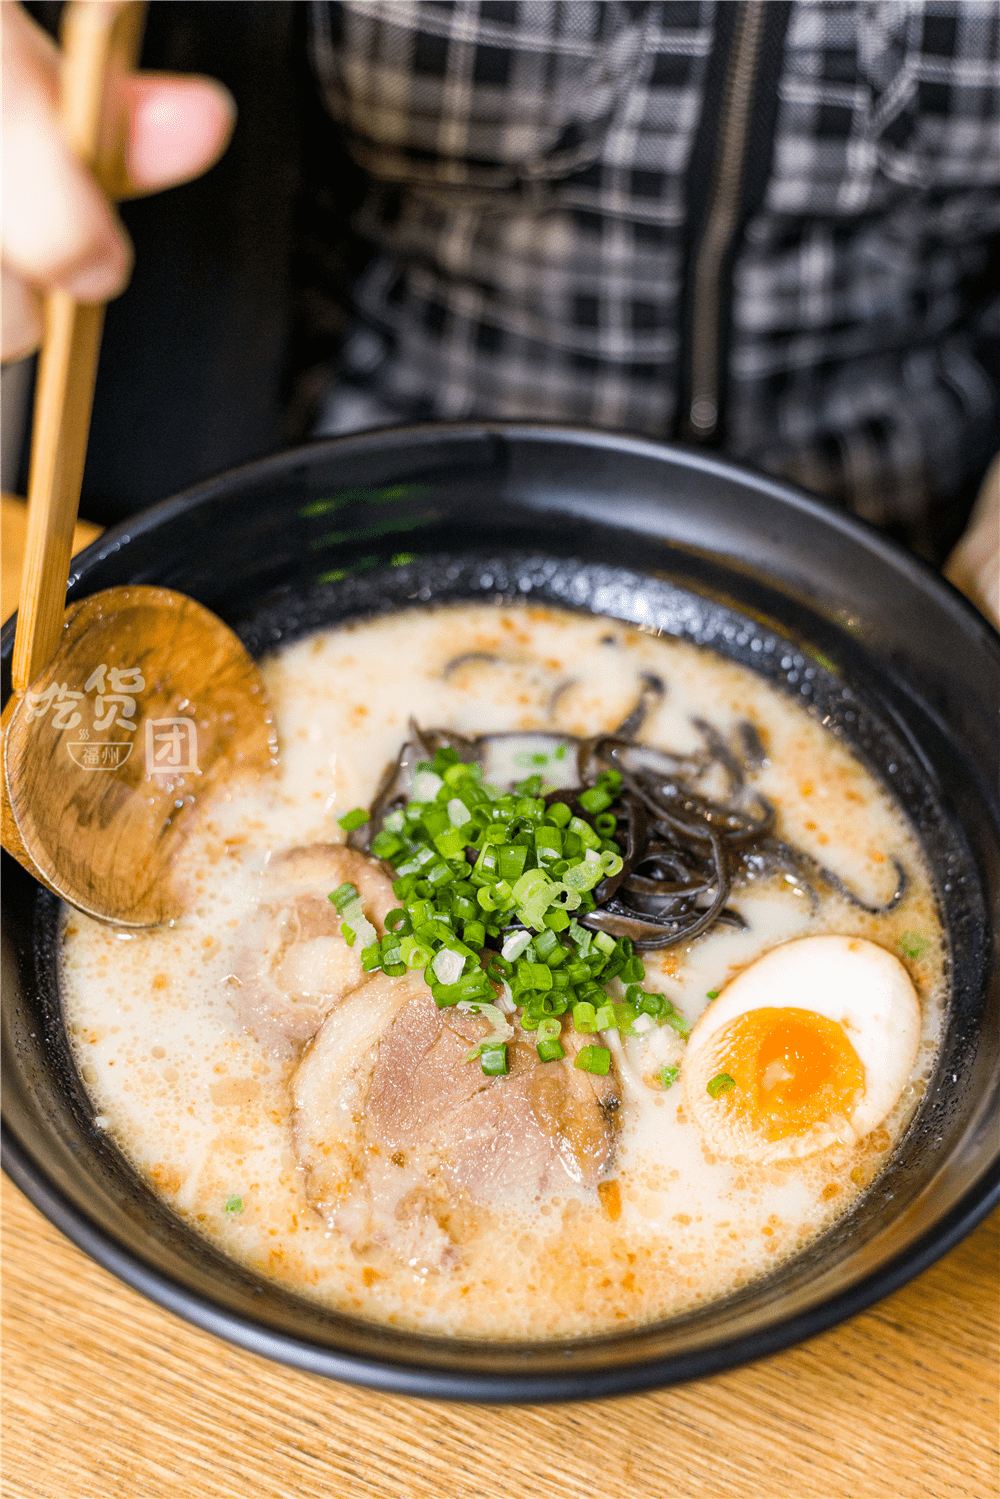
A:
810,1045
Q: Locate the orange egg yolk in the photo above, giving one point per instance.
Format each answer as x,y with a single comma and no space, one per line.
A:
793,1070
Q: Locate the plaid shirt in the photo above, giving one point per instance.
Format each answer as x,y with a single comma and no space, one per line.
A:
538,187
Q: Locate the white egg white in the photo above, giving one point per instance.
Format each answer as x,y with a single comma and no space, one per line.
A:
849,980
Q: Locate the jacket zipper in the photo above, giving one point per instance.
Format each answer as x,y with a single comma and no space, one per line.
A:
701,418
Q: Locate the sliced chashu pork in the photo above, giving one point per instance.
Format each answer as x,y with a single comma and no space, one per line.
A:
292,963
406,1142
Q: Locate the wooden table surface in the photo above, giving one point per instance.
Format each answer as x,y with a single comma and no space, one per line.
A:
108,1397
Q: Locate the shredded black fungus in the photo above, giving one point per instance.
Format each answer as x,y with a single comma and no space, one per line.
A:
683,852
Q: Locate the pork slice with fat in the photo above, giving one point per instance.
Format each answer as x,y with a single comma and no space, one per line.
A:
407,1142
292,963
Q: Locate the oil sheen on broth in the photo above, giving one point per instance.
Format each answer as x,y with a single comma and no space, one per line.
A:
209,1065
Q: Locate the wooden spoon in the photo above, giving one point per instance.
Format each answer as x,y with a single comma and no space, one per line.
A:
131,707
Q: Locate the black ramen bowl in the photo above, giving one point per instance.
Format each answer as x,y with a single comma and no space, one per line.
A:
824,607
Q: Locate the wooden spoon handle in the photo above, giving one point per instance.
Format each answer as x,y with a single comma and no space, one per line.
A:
101,39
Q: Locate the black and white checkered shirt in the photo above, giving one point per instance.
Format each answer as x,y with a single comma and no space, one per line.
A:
769,226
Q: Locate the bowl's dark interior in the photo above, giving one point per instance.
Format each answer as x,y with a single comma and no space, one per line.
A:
826,608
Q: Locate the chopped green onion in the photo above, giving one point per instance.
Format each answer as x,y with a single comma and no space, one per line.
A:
596,799
551,1002
512,861
355,926
415,954
352,820
343,895
548,841
474,934
448,966
474,986
514,945
459,771
435,930
426,785
529,882
534,862
580,937
234,1204
498,1036
450,844
458,812
531,912
625,1018
712,994
584,832
720,1084
595,1059
494,1062
497,967
495,897
534,975
667,1076
547,943
600,797
584,876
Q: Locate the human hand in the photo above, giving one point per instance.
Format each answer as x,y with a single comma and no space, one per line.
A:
974,565
58,228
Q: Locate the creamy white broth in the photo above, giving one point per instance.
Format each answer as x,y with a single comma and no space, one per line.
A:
203,1108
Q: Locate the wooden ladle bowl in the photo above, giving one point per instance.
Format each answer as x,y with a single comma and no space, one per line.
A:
131,707
149,705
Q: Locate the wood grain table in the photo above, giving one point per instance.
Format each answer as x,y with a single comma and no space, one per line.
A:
108,1397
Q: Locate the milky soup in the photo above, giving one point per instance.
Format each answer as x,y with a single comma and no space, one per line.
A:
631,980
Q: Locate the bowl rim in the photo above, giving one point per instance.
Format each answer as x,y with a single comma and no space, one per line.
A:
401,1376
682,454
